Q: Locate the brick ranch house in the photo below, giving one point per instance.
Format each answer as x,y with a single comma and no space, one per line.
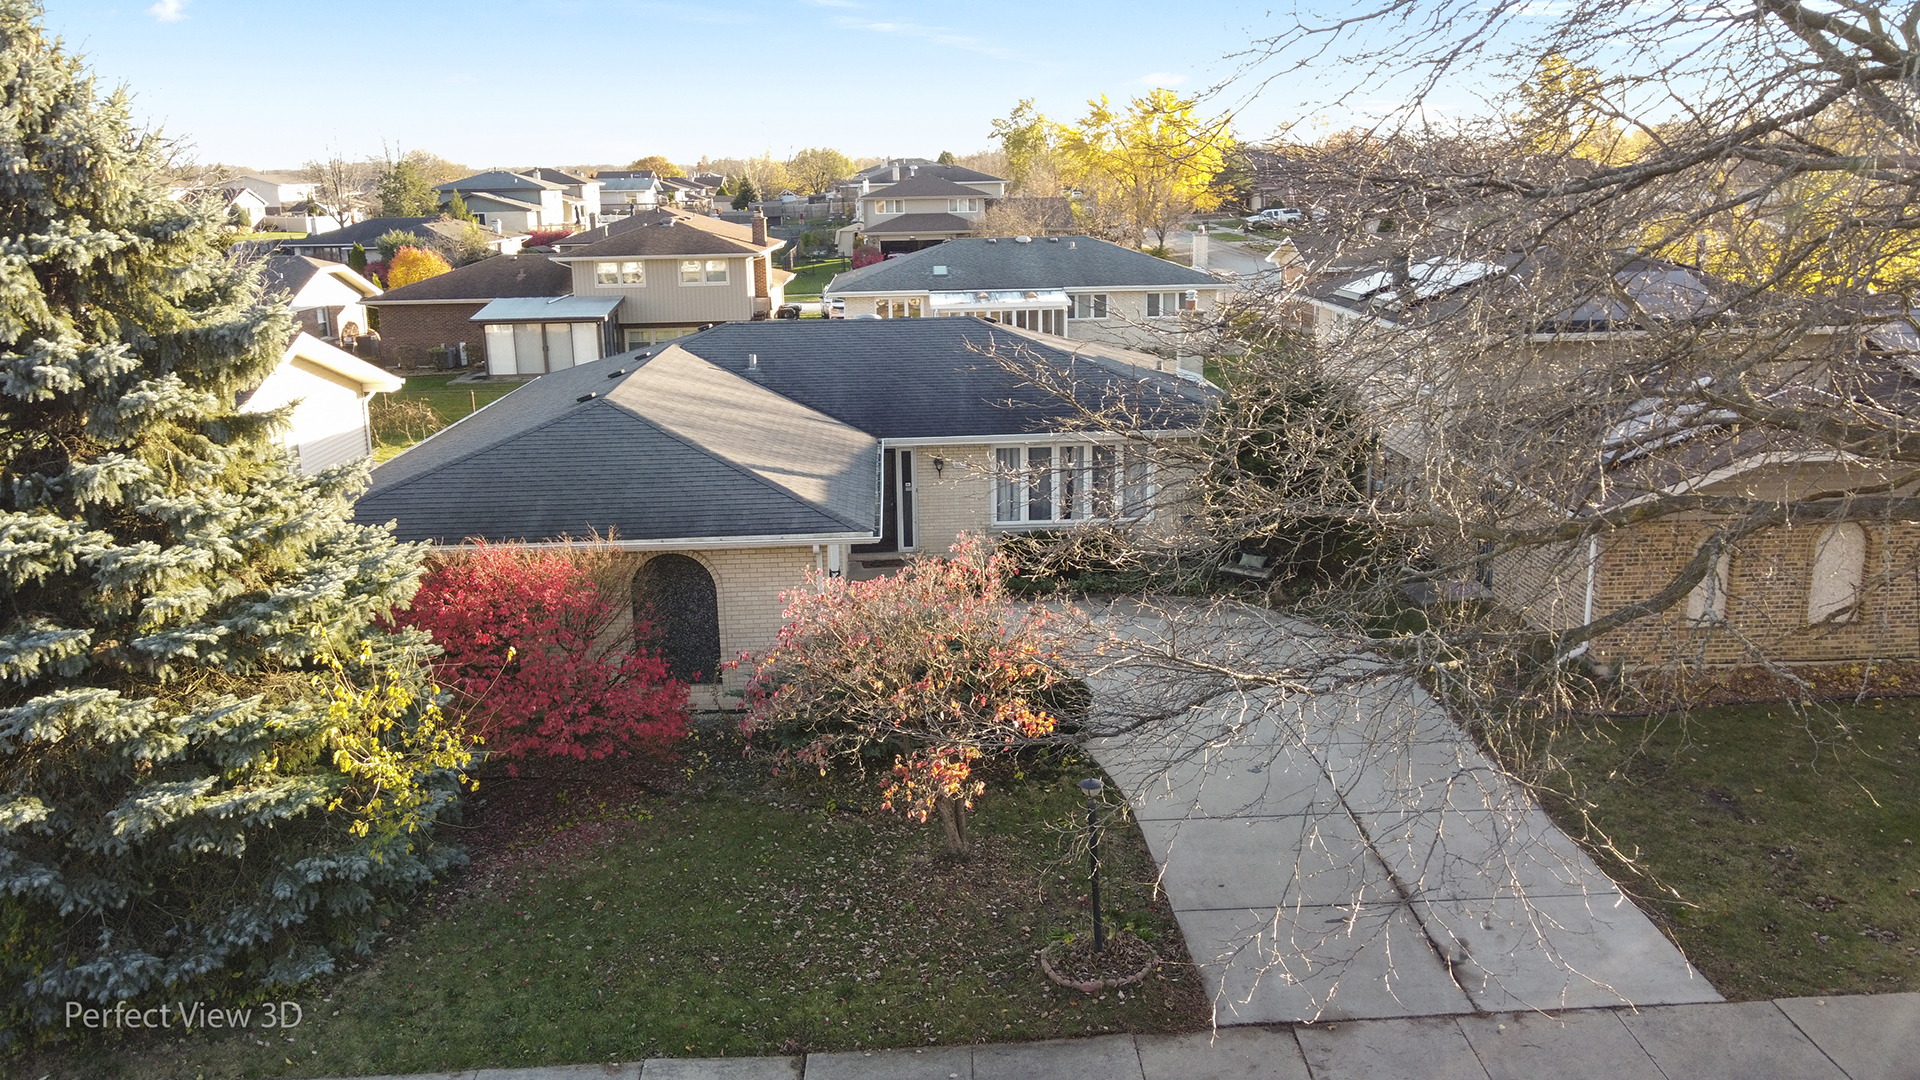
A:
439,312
730,462
1809,593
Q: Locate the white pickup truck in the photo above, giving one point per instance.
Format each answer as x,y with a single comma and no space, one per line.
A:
1274,216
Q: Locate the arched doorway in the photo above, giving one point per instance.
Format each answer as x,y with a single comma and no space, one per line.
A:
677,594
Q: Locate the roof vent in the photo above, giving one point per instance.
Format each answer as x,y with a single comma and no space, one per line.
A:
939,271
753,361
1073,243
1053,239
993,239
616,373
586,397
1023,239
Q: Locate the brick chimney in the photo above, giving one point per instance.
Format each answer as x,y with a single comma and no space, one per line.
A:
760,276
759,229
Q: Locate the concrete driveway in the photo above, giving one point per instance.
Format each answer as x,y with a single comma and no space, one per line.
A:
1340,849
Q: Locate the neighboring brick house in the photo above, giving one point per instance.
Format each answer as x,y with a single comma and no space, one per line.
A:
439,312
328,298
731,462
1072,286
337,245
1793,593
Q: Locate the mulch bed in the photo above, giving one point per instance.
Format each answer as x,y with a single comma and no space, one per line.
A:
1124,961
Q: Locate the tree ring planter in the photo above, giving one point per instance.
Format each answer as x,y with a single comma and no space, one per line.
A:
1122,947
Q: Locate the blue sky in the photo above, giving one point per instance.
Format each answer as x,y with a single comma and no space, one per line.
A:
484,82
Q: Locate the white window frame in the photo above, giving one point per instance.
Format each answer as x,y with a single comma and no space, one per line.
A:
1097,306
705,269
1838,581
1163,305
963,206
324,319
1707,603
1048,485
621,271
907,308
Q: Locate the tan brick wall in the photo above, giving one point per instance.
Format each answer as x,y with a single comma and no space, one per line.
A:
1768,583
954,499
407,331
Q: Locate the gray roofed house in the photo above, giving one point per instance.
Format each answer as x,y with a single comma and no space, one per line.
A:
1071,286
438,312
923,185
910,204
328,298
737,459
338,244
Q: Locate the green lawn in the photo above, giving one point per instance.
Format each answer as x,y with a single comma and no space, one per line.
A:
810,279
426,404
1781,848
741,915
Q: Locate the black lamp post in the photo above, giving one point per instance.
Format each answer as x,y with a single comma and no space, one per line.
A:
1092,787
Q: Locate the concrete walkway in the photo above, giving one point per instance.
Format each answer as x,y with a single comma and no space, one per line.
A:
1340,849
1845,1038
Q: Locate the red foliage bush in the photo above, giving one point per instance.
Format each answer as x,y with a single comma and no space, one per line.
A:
866,256
543,237
377,272
536,657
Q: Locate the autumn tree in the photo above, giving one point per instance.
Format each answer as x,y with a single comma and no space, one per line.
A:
539,655
922,674
1029,142
1151,166
657,165
411,264
217,773
814,171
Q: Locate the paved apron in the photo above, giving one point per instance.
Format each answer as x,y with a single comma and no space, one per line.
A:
1344,851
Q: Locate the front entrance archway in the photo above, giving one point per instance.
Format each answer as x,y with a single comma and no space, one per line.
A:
677,595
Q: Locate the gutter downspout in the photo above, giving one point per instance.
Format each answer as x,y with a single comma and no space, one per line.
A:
1586,615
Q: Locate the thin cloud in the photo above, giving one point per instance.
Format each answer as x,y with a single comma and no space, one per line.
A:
1163,78
168,10
833,3
938,35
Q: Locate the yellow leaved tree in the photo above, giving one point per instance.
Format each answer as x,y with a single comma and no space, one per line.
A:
1149,167
411,264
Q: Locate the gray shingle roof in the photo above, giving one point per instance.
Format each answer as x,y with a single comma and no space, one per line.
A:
922,186
365,233
882,173
680,443
498,180
502,275
929,378
673,449
677,234
919,223
291,272
1057,262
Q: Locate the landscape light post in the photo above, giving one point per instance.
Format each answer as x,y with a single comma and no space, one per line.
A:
1091,786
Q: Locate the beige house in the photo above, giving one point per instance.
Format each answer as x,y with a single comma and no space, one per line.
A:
908,205
674,272
1070,286
730,463
329,392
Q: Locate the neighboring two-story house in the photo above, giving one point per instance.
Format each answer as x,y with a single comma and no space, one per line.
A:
675,272
511,202
1071,286
907,205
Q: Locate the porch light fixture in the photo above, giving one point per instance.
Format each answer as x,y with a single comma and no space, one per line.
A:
939,466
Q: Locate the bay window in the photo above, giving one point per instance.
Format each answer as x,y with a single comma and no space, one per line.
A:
1069,482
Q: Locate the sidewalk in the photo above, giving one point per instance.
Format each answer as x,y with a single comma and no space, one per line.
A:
1842,1038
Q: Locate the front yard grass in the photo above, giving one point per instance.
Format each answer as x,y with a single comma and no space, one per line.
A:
1780,847
740,914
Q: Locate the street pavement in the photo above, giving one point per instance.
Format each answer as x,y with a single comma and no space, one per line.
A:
1839,1038
1340,849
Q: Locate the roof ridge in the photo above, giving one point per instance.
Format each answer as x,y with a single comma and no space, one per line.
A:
736,466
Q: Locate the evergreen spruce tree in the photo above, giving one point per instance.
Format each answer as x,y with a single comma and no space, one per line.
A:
213,762
357,258
457,208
